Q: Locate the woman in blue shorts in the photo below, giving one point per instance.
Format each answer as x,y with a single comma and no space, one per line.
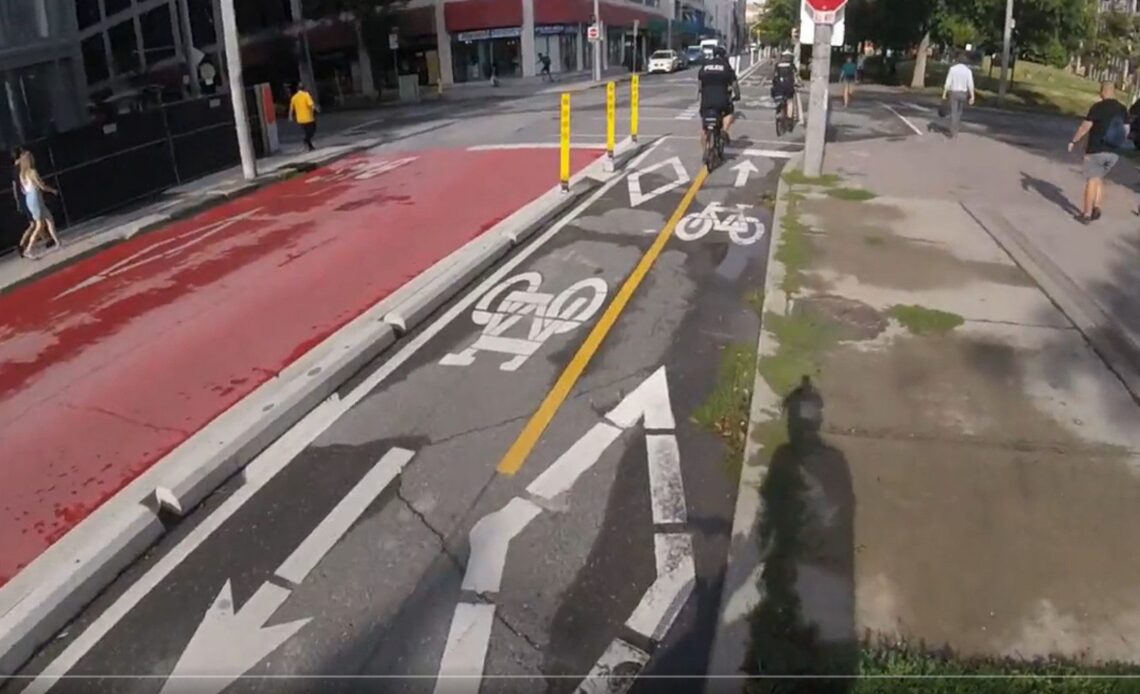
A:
847,79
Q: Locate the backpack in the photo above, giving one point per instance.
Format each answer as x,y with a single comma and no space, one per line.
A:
784,77
1115,135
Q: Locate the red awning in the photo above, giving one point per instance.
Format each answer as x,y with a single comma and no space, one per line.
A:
621,15
563,11
469,15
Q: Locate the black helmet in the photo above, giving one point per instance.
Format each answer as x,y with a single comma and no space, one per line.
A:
719,52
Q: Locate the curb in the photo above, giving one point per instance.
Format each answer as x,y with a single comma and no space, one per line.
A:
208,200
740,592
43,597
1114,347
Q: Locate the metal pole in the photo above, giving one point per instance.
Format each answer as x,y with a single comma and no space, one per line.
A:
598,43
817,109
237,90
188,46
1007,36
307,77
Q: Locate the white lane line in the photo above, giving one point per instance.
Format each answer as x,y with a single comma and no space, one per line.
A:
770,153
666,488
676,576
903,118
615,671
579,457
490,538
649,400
689,113
282,451
536,145
918,107
309,553
461,669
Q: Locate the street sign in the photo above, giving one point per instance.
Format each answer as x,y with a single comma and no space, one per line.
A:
393,42
808,20
825,11
592,33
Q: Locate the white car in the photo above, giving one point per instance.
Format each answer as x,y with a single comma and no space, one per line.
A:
664,61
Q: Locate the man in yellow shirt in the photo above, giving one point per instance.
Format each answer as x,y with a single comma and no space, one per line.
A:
303,111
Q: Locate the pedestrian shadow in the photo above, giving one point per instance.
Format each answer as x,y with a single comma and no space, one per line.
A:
804,624
1050,191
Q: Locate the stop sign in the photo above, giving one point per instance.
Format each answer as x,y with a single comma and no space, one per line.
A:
826,5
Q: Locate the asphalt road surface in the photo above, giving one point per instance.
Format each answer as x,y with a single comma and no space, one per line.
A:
423,528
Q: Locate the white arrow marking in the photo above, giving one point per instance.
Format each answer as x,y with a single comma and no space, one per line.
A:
743,170
666,488
649,400
564,472
227,643
637,197
615,671
461,670
490,539
676,575
324,536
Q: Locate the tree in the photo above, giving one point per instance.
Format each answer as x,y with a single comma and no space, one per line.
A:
777,19
367,16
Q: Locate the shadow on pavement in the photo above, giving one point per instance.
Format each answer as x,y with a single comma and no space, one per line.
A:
804,624
1050,191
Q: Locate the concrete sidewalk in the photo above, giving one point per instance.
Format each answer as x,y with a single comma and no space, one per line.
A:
958,473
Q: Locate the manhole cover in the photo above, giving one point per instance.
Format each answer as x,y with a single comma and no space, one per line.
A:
854,319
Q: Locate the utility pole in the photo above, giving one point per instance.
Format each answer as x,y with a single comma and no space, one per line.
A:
1007,36
306,70
598,42
237,90
187,32
817,109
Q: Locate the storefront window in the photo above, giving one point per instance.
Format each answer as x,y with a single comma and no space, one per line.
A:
560,42
475,52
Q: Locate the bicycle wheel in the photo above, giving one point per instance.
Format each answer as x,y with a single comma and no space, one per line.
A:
779,124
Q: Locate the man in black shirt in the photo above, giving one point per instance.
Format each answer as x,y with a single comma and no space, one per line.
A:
718,86
1106,126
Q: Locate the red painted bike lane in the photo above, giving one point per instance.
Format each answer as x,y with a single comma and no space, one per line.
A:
112,362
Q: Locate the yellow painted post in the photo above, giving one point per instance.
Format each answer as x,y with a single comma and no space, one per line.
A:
610,93
564,144
634,100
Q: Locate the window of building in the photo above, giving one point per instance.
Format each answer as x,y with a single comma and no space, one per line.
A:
253,17
158,35
113,7
94,59
124,47
202,22
86,12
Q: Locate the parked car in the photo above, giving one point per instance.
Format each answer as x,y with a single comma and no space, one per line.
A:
683,58
693,53
664,61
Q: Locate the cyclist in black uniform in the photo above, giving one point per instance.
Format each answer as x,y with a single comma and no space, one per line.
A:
784,83
718,90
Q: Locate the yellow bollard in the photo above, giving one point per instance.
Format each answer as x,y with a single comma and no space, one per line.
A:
610,92
634,99
564,145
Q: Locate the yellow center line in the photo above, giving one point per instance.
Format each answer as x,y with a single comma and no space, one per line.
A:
528,437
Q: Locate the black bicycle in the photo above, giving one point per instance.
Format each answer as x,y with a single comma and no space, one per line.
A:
784,123
712,123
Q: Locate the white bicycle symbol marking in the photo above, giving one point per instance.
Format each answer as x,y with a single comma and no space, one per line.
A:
361,169
549,315
740,227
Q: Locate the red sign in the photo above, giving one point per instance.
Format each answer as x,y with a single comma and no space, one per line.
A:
592,32
826,5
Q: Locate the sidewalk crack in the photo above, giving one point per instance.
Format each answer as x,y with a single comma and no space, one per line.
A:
439,536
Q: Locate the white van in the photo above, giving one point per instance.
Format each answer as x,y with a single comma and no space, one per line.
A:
707,46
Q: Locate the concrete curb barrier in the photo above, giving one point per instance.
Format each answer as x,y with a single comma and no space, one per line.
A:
741,590
50,591
1114,347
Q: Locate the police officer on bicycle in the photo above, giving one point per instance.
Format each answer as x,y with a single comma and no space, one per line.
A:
718,89
784,83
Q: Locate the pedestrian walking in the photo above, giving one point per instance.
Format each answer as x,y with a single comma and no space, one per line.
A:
544,60
860,68
847,80
1106,127
303,111
18,195
959,88
33,188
